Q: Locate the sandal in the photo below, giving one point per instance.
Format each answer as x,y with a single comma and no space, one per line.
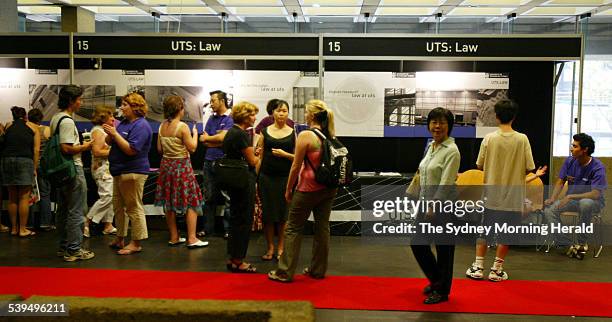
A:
28,234
235,268
4,229
267,256
279,276
129,251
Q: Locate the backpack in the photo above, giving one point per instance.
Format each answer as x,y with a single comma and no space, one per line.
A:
336,168
58,168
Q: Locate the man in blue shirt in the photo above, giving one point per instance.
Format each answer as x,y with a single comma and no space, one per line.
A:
586,179
214,133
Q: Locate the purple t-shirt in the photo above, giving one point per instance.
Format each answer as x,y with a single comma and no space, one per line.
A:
138,134
215,124
584,179
267,121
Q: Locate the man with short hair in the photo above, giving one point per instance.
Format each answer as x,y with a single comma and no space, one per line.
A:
586,179
70,212
214,133
505,157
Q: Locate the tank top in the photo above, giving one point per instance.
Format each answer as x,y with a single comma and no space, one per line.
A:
97,162
173,147
19,141
307,182
273,165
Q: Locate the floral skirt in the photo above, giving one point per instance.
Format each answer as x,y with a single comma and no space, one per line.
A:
177,188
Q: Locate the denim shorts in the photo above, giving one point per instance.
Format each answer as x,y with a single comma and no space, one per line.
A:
17,171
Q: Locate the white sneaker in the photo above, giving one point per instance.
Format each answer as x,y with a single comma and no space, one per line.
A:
497,275
475,272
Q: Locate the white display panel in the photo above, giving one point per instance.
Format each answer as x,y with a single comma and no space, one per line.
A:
13,91
258,87
357,100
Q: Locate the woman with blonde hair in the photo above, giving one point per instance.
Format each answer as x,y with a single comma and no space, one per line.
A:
130,142
102,210
238,145
309,196
177,190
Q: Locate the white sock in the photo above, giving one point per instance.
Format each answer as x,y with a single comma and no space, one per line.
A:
479,262
498,263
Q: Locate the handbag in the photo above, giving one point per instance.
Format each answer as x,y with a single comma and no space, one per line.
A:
231,173
414,189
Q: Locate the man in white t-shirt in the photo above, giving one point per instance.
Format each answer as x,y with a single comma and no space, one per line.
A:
505,157
70,212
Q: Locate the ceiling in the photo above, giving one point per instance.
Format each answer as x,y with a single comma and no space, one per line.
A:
305,10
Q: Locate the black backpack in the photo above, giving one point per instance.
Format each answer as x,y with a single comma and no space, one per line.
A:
336,168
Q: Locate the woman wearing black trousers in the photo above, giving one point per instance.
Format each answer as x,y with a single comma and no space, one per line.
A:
438,172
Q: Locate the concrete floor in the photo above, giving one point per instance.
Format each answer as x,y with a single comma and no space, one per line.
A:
348,256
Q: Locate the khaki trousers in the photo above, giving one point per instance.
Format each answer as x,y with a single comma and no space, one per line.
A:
320,204
127,201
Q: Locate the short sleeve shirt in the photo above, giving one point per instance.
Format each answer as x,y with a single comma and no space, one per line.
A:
505,158
215,124
583,179
138,134
235,141
68,133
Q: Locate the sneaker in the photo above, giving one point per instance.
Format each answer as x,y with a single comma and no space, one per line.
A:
475,272
81,254
497,275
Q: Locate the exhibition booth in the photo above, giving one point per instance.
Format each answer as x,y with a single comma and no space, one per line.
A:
381,86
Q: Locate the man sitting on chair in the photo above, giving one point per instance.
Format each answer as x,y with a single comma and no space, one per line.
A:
586,179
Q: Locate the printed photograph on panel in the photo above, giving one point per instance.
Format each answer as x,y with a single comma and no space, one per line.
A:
45,98
194,97
470,107
400,106
485,105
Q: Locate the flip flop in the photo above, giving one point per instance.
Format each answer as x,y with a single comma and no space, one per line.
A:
198,244
29,234
110,232
181,240
128,251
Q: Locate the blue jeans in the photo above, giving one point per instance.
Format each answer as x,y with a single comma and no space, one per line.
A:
215,200
585,209
44,217
70,213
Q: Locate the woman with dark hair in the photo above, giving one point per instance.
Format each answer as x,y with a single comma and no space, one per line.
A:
438,173
309,196
44,218
130,142
18,165
177,190
102,210
237,145
278,143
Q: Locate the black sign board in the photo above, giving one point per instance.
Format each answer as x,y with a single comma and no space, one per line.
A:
196,46
452,47
23,45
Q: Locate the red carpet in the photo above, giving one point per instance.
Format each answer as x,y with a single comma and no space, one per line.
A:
334,292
